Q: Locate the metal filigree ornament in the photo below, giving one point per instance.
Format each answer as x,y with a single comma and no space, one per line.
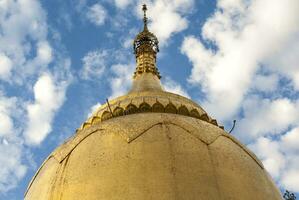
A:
146,47
145,41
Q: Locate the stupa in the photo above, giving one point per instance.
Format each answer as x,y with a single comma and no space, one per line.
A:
151,145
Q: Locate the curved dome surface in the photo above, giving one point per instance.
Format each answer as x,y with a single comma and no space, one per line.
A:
151,145
152,156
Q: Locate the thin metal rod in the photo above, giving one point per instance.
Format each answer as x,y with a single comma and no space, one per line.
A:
144,8
233,126
109,107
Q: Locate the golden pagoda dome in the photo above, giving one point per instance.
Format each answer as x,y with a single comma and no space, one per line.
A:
151,145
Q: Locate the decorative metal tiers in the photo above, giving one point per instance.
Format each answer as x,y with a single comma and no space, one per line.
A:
156,102
145,41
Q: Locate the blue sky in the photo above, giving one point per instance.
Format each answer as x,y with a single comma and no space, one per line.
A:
59,60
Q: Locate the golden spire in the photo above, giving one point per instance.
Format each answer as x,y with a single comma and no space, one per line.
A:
146,47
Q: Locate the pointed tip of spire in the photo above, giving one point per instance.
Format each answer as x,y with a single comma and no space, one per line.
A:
144,9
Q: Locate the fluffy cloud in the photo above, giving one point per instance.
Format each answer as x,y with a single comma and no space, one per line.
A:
174,87
94,64
270,126
44,53
25,54
265,83
6,65
269,151
161,15
291,178
13,170
48,97
24,51
167,17
23,32
93,109
246,34
245,52
266,117
7,106
114,64
280,158
290,141
96,14
285,61
121,80
12,159
122,3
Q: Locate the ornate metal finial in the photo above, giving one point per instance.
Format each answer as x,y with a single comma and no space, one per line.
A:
145,40
144,8
146,47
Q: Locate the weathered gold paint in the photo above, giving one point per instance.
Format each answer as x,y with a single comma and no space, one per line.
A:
154,146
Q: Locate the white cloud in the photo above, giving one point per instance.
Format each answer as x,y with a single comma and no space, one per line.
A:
93,109
265,117
246,34
6,65
25,53
6,125
271,128
290,141
44,52
96,14
265,83
282,164
174,87
239,42
23,32
118,76
269,151
286,60
122,4
290,179
94,64
127,40
167,17
121,81
12,170
48,96
7,106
